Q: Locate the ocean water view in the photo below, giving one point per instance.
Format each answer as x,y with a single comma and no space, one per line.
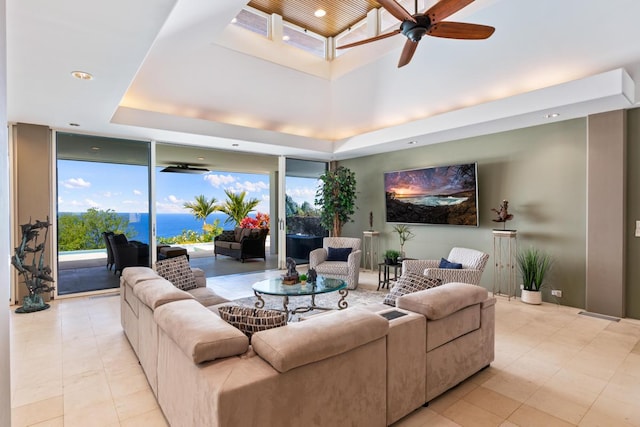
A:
172,224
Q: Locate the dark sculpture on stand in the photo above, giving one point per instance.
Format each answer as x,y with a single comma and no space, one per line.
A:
34,273
291,278
503,213
312,275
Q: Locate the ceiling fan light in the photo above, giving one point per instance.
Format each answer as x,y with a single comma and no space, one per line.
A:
184,169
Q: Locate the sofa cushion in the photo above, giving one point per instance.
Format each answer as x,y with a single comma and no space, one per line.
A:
338,254
251,320
333,267
441,301
318,338
455,325
206,296
157,292
199,333
444,263
408,283
178,271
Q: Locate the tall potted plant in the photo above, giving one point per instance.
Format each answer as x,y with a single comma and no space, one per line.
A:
336,195
404,234
533,265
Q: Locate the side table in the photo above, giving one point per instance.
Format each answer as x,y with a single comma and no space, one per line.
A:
384,274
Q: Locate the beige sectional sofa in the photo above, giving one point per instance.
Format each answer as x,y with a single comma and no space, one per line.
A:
348,367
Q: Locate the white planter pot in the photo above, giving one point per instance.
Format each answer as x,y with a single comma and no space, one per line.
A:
531,297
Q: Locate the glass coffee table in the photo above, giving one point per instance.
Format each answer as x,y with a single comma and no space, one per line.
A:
322,285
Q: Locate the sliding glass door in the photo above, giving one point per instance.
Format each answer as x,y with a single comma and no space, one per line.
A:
303,232
102,187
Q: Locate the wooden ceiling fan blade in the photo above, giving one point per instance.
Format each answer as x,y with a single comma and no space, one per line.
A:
445,8
460,30
371,39
396,10
407,53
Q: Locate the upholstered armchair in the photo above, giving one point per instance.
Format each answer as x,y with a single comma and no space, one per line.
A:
330,259
473,263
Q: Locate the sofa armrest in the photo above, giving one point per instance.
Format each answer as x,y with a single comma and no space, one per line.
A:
290,346
439,302
317,256
201,279
464,275
418,266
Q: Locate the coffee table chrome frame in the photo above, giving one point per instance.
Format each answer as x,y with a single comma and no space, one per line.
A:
342,303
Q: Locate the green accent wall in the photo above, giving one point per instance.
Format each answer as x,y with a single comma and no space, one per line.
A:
540,170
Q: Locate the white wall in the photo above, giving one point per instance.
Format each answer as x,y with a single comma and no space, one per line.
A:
5,386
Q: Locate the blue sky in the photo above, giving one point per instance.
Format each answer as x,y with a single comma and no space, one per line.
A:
123,188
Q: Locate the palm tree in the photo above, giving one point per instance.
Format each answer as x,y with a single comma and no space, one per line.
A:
236,207
202,208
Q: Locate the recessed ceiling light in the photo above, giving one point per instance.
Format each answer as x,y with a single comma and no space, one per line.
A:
234,20
286,38
551,115
200,158
82,75
74,124
320,13
95,148
412,142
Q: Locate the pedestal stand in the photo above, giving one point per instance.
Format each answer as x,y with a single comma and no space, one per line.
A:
505,249
370,248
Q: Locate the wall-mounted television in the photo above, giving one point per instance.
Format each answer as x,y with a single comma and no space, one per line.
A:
433,195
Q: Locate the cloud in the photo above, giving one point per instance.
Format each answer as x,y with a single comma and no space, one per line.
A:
252,187
304,192
219,180
91,203
76,183
173,199
162,207
137,192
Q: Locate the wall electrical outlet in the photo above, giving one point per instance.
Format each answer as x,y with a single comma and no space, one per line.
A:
556,293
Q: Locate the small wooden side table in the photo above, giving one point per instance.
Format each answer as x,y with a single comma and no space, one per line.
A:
384,274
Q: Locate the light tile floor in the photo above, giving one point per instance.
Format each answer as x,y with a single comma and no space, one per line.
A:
72,366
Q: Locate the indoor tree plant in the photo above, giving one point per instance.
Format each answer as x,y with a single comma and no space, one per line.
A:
336,195
533,265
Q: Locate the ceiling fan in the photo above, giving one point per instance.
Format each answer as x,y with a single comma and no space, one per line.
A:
430,23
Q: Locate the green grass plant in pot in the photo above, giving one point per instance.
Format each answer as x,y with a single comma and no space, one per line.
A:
391,256
534,266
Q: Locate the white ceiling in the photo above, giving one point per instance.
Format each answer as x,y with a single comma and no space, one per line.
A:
175,71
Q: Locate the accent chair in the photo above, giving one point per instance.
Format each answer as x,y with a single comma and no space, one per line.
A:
332,260
472,265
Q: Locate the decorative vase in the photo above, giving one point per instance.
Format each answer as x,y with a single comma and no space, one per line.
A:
531,297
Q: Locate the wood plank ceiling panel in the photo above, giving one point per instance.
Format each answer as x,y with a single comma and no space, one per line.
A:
340,14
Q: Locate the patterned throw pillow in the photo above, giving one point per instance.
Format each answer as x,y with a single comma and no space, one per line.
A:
178,271
409,283
251,320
